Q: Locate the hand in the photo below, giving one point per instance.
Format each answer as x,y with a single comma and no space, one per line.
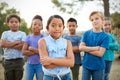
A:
98,48
30,48
45,60
18,42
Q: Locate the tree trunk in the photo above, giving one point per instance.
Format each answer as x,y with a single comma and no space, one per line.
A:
106,8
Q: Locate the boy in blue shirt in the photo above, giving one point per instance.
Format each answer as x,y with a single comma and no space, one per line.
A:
75,40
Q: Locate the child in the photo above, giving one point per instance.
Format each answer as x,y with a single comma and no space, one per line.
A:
94,43
30,49
12,42
109,53
75,39
56,53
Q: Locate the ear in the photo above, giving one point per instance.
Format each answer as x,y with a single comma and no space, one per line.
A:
76,26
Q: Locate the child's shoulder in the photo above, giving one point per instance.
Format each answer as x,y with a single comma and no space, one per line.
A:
6,32
21,32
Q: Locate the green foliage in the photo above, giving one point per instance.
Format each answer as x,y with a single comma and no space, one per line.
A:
75,6
70,7
116,24
23,27
116,19
4,11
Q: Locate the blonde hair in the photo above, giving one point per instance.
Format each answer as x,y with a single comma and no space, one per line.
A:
100,14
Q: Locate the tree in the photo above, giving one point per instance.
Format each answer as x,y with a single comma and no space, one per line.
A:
4,11
74,6
106,8
116,23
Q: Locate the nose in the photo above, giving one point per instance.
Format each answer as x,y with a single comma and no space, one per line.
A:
57,28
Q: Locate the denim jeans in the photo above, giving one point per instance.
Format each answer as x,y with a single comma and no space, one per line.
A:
33,69
65,77
92,74
108,65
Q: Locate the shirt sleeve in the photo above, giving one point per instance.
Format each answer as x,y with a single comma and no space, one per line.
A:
23,36
105,42
3,36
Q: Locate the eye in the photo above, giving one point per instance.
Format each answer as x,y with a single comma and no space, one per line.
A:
91,19
96,18
107,24
34,24
60,26
16,22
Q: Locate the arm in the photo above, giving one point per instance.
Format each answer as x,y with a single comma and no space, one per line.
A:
26,51
35,50
68,61
19,46
97,51
44,54
113,44
76,49
85,48
6,44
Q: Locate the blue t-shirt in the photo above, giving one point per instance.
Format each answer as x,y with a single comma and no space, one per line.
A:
92,39
33,42
75,40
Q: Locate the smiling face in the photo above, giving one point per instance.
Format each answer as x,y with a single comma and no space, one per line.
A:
14,24
72,27
107,26
36,26
56,28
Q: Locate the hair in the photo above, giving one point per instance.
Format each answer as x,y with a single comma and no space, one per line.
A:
98,13
72,20
108,18
12,16
37,17
50,19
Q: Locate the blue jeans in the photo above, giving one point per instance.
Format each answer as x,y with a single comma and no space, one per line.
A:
95,74
32,69
65,77
108,65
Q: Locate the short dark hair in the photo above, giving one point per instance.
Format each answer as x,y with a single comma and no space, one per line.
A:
37,17
72,20
12,16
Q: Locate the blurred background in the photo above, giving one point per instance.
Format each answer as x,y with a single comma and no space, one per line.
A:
78,9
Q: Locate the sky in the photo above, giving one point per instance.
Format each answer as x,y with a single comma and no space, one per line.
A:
29,8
